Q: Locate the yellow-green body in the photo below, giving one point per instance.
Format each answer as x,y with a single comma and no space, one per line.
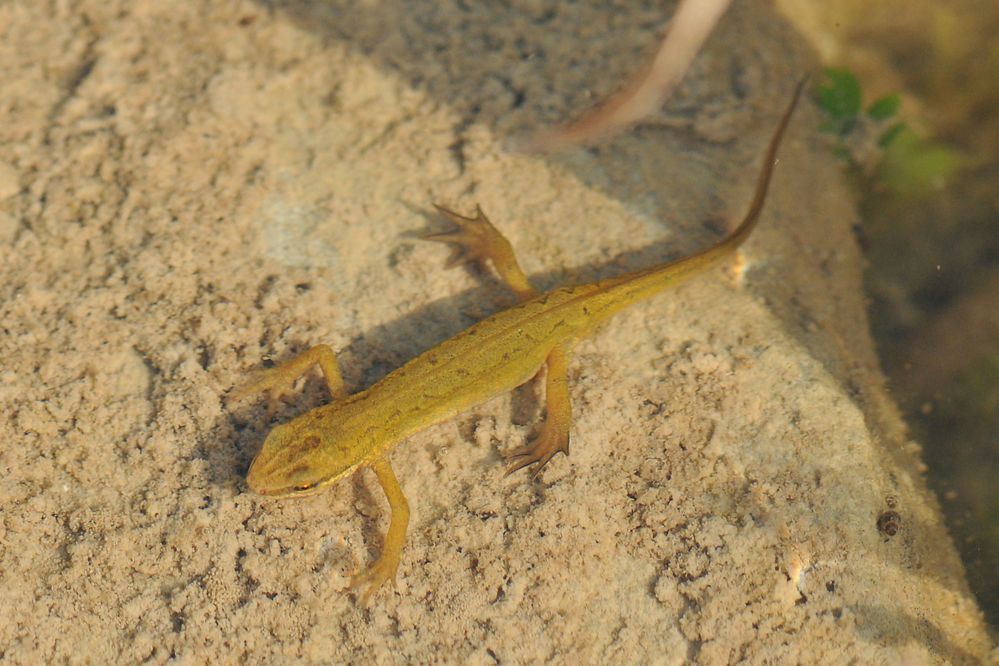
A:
496,355
492,357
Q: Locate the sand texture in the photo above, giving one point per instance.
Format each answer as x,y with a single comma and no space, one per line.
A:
189,189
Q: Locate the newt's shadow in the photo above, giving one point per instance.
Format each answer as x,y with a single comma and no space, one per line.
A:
382,349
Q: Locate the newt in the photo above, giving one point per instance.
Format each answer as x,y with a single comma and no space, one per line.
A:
501,352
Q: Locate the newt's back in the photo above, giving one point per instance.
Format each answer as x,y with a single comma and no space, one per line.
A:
491,357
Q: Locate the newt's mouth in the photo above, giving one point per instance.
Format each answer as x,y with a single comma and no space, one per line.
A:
260,480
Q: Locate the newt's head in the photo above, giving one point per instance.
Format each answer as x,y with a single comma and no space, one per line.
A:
301,457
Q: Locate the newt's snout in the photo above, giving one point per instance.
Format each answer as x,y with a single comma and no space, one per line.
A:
255,478
292,462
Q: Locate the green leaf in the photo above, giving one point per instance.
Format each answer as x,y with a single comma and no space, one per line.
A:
891,134
839,95
915,166
884,108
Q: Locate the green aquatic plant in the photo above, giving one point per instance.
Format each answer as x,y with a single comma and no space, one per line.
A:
839,96
875,144
913,165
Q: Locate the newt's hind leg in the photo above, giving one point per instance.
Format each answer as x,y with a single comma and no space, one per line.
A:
554,437
279,380
478,240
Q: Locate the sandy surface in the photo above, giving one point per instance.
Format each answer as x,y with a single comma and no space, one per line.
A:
187,189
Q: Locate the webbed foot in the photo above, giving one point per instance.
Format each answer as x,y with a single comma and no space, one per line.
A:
476,239
279,381
276,382
550,442
371,579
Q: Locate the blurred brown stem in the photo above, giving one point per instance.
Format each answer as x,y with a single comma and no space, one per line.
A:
646,92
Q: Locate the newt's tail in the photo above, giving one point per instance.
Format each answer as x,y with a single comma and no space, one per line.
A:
745,227
624,289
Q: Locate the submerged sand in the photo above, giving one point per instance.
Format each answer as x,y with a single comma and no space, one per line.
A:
188,189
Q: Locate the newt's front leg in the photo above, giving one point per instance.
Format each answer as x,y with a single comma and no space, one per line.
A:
384,568
478,240
279,380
